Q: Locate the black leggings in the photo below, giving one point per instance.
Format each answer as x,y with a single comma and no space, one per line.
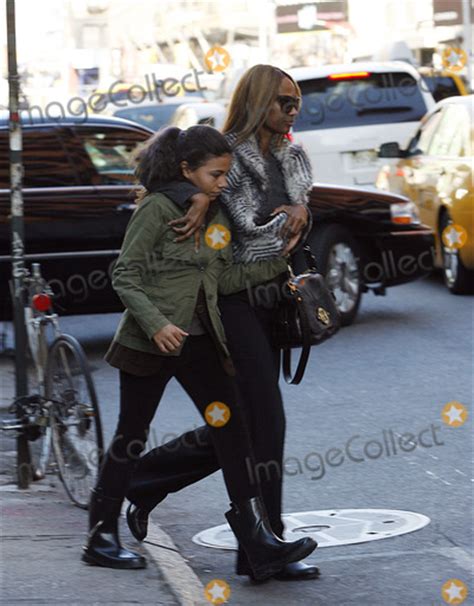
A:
192,456
200,373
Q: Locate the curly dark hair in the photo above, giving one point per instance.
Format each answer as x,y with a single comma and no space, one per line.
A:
158,160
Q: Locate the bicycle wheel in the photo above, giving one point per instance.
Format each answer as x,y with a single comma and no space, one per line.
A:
75,418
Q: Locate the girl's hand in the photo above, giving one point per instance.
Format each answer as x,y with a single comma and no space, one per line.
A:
192,221
297,219
169,338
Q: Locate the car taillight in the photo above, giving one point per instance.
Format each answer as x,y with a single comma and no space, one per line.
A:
41,302
404,213
349,75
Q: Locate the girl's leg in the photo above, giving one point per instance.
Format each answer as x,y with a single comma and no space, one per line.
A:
139,398
171,467
201,375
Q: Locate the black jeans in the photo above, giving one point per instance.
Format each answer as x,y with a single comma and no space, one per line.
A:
200,373
192,456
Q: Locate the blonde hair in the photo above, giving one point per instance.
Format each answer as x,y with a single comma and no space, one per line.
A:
252,100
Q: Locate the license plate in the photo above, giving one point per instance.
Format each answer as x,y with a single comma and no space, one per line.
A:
364,157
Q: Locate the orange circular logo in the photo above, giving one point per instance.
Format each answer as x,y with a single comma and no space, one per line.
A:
217,236
217,591
454,236
217,59
454,591
454,414
454,58
217,414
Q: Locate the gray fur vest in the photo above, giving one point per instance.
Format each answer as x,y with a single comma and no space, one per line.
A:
247,190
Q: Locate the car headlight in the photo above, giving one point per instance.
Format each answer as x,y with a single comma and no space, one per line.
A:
404,213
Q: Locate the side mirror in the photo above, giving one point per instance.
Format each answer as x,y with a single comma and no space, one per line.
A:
390,150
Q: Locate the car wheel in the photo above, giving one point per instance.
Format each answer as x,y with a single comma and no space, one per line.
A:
338,260
457,278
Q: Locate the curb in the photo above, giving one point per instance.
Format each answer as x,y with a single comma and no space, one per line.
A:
183,582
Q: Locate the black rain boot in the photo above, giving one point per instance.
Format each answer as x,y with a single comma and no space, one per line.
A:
296,571
267,554
137,518
103,545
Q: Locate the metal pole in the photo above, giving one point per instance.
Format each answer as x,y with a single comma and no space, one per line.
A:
17,241
467,35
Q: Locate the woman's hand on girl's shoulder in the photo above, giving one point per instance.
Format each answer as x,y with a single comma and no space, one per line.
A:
191,222
169,338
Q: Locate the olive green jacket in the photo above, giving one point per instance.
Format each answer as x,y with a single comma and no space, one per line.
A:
158,280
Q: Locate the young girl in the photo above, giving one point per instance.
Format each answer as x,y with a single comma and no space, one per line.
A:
171,328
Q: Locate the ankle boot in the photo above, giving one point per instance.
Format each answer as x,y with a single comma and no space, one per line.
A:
137,517
103,546
296,571
266,553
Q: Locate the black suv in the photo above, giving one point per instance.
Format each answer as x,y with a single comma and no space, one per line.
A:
78,200
79,197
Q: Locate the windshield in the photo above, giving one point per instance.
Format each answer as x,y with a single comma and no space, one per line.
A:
154,116
332,102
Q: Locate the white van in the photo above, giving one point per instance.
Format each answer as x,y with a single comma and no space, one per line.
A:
350,110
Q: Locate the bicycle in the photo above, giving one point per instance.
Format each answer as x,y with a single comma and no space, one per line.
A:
63,412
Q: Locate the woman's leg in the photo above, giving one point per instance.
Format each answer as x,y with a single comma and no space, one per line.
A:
210,388
257,365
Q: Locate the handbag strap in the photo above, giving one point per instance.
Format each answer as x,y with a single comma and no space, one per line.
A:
305,351
306,348
310,259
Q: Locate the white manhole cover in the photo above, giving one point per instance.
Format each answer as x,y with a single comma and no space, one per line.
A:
331,527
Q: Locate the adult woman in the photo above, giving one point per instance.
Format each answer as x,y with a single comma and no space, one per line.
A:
171,328
266,200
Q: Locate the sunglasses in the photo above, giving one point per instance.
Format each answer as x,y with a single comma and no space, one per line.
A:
288,102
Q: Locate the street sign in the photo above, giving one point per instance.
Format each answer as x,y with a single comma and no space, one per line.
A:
309,16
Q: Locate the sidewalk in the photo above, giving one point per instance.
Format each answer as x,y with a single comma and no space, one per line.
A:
42,535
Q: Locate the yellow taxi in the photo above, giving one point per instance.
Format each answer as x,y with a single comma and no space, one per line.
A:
436,172
443,83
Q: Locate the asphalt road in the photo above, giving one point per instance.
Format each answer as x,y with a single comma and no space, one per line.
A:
390,374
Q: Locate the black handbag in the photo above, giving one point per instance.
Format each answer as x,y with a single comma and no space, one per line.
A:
306,315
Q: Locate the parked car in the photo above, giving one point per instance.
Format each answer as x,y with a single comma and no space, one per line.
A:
350,110
443,83
152,114
79,197
436,172
190,114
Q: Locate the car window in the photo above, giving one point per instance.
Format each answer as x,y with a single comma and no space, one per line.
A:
421,141
370,98
441,87
45,162
109,150
153,116
450,138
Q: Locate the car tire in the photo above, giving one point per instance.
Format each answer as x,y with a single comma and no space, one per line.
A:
458,279
338,260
